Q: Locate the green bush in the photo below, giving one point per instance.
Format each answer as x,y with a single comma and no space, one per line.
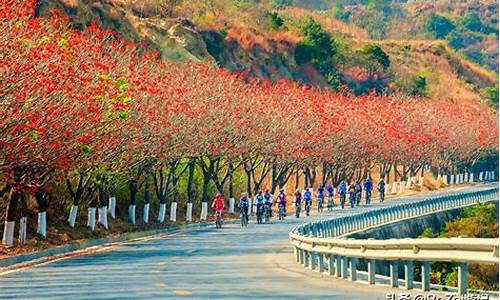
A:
492,93
418,86
462,37
276,21
321,49
472,21
438,25
339,13
375,53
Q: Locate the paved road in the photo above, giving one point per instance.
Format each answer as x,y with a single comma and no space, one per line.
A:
253,262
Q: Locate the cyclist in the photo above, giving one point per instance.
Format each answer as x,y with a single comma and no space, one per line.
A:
331,193
298,202
352,194
342,193
359,192
308,201
219,206
321,198
282,202
268,202
259,202
381,189
368,189
243,205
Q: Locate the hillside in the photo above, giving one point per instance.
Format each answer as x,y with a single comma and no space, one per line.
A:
262,40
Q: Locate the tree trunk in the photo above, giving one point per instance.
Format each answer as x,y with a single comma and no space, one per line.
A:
103,216
42,202
133,196
23,220
10,218
92,211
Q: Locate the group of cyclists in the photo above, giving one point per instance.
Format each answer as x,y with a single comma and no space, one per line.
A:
263,200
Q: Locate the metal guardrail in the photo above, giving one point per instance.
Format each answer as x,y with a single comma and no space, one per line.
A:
326,240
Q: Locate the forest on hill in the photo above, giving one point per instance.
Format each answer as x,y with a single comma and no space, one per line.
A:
429,49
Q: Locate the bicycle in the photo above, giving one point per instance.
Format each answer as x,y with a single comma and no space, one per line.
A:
308,207
342,200
320,205
267,212
260,213
244,219
282,213
218,219
297,211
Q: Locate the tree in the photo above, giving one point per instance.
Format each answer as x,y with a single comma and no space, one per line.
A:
276,21
375,53
461,37
438,25
339,12
492,93
418,86
472,21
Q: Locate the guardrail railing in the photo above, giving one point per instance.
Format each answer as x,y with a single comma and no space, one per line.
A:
323,245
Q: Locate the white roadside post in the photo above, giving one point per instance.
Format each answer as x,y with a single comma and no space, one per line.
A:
173,211
145,213
8,233
23,224
42,224
131,213
480,176
103,216
402,187
112,206
394,188
91,218
72,215
189,212
204,211
161,213
231,205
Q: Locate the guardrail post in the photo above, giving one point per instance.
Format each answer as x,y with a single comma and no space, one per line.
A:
354,262
312,261
426,276
320,262
338,266
462,278
344,266
301,256
331,264
371,271
409,275
394,273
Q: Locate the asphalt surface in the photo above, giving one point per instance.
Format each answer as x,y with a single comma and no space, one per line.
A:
230,263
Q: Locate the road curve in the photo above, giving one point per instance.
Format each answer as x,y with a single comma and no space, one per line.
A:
232,263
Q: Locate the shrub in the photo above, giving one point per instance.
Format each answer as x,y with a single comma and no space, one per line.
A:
275,20
375,53
492,93
462,37
418,86
438,25
339,12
